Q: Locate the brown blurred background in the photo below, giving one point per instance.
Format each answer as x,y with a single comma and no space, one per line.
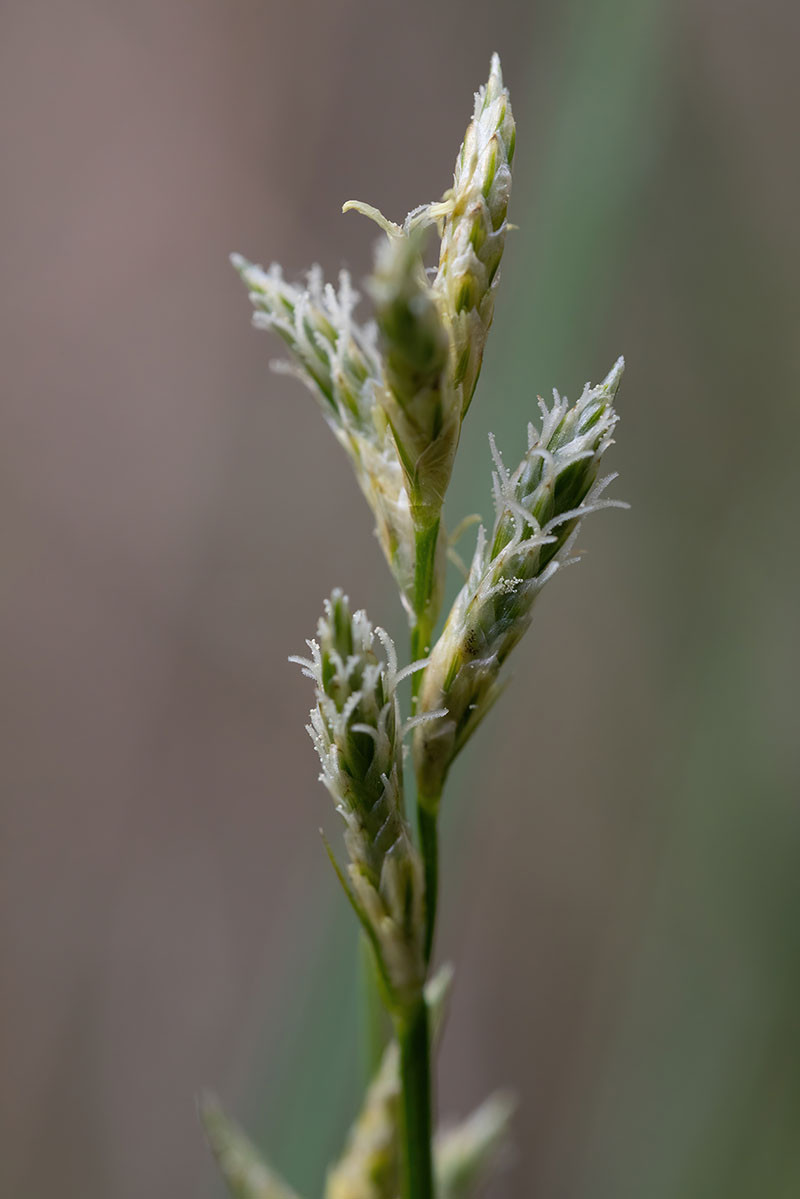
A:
622,886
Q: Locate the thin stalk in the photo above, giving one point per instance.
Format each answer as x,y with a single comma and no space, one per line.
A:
421,634
425,539
412,1031
428,825
415,1074
373,1018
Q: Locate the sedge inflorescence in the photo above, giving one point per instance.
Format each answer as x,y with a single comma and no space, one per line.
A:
395,392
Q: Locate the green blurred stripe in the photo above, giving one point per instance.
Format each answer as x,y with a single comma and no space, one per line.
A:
306,1090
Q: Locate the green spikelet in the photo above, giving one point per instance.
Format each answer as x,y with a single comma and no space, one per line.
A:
539,508
355,727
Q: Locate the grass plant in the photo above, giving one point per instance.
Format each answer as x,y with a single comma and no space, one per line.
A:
395,393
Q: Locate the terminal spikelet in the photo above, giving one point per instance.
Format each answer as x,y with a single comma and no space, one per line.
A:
355,727
539,508
395,397
474,231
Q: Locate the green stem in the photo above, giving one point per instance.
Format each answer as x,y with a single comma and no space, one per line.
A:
425,540
415,1074
412,1028
421,636
428,825
373,1017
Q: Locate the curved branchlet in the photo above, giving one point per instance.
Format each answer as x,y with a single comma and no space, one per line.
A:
356,730
474,231
539,509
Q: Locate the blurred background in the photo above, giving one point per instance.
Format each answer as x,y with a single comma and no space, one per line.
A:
622,863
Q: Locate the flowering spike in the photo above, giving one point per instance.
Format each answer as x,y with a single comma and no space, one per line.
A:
539,508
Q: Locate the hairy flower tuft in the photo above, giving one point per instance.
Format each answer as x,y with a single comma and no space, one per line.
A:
356,730
338,359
